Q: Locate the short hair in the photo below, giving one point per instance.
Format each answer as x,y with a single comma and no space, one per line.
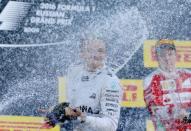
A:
164,44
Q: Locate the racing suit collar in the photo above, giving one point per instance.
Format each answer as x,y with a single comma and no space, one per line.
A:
99,70
171,75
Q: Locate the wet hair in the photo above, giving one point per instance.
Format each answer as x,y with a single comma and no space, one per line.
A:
164,44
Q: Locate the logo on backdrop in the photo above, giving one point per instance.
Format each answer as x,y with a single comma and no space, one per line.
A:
13,14
32,16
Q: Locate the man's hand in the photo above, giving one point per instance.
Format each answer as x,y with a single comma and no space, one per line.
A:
81,115
71,113
181,114
160,112
60,113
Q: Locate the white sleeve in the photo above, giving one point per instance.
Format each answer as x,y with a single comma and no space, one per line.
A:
110,107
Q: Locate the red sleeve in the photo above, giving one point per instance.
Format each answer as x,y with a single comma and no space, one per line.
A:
152,93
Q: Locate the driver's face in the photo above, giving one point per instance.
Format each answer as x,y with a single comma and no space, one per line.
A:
167,59
94,54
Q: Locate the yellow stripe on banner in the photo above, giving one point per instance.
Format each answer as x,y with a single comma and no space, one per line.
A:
62,95
148,44
149,125
183,54
23,123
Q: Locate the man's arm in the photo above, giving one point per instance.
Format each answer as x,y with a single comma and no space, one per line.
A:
147,91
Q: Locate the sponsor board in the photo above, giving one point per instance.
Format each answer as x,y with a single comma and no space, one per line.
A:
23,123
183,54
132,93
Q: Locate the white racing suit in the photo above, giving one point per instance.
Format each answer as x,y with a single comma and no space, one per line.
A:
98,94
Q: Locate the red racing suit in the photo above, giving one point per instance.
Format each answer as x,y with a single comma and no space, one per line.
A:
165,95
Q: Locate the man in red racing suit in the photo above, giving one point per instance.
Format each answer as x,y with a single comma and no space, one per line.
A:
167,91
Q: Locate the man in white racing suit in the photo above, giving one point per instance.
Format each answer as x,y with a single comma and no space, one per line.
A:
94,90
